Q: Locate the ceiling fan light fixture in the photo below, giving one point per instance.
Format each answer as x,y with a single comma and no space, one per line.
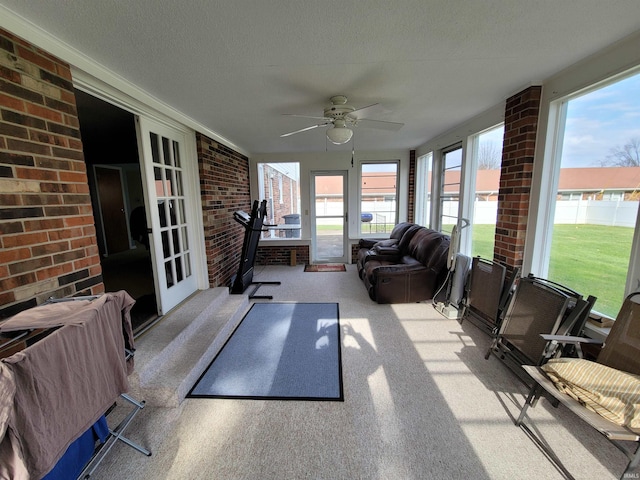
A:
339,134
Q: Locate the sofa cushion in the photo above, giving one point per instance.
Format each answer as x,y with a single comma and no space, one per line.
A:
399,230
403,244
424,244
612,393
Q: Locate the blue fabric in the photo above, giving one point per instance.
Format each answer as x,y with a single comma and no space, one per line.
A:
79,452
279,350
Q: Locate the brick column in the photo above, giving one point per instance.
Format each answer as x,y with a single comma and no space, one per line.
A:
47,235
411,212
520,129
224,188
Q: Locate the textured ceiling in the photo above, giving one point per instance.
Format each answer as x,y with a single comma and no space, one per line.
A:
237,66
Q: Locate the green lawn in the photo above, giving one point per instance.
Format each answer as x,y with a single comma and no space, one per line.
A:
590,259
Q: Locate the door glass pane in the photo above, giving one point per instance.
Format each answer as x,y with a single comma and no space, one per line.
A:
181,215
169,273
176,154
179,276
178,183
185,243
166,247
155,153
176,241
329,226
173,213
157,175
166,151
187,265
162,213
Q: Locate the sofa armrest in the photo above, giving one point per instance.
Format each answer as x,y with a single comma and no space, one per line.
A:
386,250
368,243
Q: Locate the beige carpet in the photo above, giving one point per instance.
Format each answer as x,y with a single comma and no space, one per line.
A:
421,402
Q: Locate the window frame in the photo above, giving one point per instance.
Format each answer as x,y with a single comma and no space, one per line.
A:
398,164
278,200
546,180
423,199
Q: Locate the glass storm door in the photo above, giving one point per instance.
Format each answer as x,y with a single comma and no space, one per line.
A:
329,221
167,206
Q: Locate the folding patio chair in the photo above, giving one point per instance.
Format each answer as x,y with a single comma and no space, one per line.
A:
538,306
487,293
621,352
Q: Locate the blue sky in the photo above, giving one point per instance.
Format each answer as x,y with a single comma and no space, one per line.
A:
600,121
596,123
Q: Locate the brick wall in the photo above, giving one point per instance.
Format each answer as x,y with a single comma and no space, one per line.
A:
355,248
412,187
47,235
281,254
224,187
520,128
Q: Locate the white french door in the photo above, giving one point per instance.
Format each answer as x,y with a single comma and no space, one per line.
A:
168,206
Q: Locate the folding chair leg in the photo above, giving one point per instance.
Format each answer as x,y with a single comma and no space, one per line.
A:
532,399
634,461
492,347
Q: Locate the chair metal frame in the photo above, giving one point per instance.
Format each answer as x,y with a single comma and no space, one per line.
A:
617,352
538,306
488,293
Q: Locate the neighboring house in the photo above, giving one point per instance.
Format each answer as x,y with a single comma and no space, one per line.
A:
596,183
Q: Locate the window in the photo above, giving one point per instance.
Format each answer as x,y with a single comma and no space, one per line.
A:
592,234
450,192
423,189
488,159
378,197
279,185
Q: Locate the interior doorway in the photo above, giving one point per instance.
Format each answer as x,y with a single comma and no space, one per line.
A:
115,183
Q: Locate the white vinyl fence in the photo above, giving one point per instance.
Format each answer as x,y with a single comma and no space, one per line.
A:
614,213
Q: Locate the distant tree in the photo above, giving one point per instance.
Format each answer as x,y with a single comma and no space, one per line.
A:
625,156
489,156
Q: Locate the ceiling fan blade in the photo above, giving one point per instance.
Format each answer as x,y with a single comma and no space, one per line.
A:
306,129
380,124
364,111
304,116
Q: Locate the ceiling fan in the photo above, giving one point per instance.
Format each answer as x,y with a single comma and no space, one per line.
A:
343,118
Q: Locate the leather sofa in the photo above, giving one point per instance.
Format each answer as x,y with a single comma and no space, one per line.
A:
408,267
366,244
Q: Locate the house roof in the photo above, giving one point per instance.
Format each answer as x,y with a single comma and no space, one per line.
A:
234,67
488,181
571,179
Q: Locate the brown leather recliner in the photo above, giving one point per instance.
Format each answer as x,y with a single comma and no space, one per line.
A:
410,272
370,246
